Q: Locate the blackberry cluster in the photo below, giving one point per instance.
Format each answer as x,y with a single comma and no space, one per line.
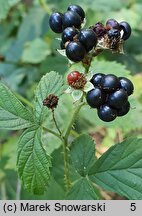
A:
77,42
113,32
112,29
110,96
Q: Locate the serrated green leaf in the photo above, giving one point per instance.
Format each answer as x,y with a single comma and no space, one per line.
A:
120,169
83,189
109,67
51,83
83,154
13,114
5,6
33,162
35,51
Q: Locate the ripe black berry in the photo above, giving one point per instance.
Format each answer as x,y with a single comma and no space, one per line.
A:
88,38
95,98
106,113
127,85
124,109
110,83
68,34
112,23
75,51
126,28
117,99
113,33
55,22
96,79
71,19
77,9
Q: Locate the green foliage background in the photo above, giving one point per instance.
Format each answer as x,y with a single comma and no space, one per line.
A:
28,51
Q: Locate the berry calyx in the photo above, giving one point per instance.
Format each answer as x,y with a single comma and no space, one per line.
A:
95,98
77,9
88,38
112,23
124,110
75,51
96,79
106,113
55,22
127,85
69,34
71,19
51,101
117,99
110,83
76,80
126,28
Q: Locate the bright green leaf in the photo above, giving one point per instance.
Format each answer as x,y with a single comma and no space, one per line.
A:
35,51
83,154
13,114
33,162
120,169
51,83
83,189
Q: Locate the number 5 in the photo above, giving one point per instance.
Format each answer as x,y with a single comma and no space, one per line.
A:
133,207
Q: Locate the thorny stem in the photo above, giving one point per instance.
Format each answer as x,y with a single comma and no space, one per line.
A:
45,6
87,61
54,119
86,64
73,119
66,149
66,165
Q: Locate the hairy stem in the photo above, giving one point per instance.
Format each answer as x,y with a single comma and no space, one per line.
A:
69,130
87,64
73,119
66,149
54,119
45,6
66,166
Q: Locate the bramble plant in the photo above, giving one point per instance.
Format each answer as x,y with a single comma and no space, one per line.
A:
117,170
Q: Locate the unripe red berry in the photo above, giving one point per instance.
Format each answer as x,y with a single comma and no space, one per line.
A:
76,80
73,77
